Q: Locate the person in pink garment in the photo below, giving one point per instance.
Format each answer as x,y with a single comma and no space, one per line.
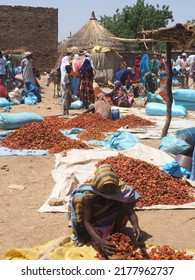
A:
76,63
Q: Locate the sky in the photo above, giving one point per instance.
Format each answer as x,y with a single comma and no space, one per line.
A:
72,15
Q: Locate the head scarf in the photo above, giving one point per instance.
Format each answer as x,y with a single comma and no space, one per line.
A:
85,66
118,83
76,56
27,82
105,174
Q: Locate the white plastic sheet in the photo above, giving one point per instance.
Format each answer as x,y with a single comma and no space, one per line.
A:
77,166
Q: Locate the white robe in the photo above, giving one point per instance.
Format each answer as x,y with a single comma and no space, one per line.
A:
65,61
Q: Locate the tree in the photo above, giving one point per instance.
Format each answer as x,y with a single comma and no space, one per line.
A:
191,21
131,20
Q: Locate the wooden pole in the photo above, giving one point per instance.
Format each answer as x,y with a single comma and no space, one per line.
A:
143,40
169,91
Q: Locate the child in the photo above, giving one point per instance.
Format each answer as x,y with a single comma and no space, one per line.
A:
68,90
162,74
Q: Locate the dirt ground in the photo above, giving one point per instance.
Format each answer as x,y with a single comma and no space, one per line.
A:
21,225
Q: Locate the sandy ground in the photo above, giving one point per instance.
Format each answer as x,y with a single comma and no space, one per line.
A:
22,226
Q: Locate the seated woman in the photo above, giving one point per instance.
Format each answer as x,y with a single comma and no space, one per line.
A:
101,208
119,96
31,91
101,106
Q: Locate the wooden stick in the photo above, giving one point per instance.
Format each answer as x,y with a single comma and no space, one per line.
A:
60,241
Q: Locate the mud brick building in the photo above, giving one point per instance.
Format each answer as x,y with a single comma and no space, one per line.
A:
30,29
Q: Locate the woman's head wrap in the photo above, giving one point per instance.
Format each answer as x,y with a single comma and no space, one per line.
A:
105,174
87,54
76,56
85,66
117,83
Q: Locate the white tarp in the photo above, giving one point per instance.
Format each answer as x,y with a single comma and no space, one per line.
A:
77,166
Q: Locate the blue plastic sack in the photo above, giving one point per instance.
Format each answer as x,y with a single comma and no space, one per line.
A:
158,109
154,97
13,121
4,102
184,94
174,145
31,99
122,140
74,130
189,105
175,169
78,104
5,133
187,134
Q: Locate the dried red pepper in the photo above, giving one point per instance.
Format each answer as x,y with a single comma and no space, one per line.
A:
154,185
92,134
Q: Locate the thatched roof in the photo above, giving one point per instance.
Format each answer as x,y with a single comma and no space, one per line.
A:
181,36
90,35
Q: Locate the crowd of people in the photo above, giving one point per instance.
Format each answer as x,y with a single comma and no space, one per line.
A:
123,92
182,69
147,75
19,79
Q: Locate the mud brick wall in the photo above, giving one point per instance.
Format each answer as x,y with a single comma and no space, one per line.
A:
31,29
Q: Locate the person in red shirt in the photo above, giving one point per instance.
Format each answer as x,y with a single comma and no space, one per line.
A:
3,91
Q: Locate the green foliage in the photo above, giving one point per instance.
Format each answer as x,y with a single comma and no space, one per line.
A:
131,20
191,21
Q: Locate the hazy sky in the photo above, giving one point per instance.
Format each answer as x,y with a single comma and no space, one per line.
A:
72,15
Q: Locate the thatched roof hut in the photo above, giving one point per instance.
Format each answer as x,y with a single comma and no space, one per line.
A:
90,35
